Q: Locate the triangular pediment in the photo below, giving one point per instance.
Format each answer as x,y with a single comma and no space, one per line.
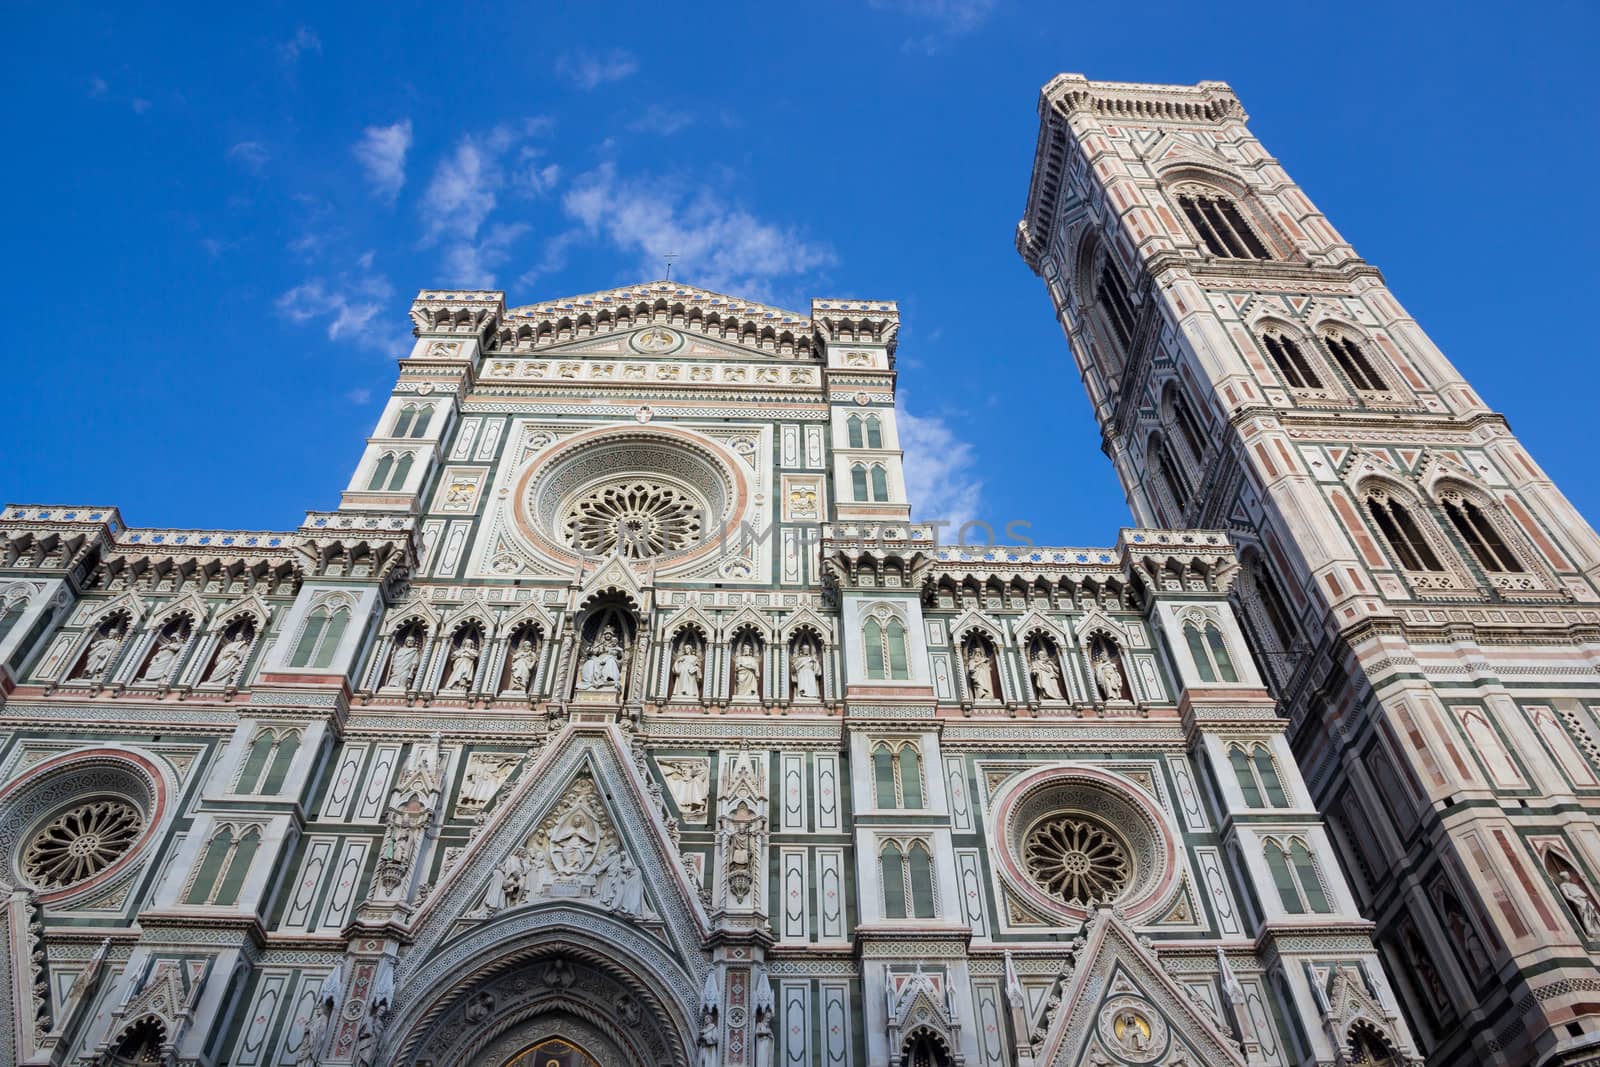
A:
1127,1007
579,832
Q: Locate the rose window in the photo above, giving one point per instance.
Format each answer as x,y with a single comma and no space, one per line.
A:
81,842
1076,860
636,518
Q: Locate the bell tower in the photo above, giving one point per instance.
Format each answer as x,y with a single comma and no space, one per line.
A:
1420,594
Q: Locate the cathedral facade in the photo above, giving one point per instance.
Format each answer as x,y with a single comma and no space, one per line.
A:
619,715
1420,598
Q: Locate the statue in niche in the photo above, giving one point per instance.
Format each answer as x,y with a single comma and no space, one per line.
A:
979,673
1461,931
1045,673
315,1034
765,1010
686,672
1422,967
806,670
524,658
747,671
164,663
689,782
1108,676
1578,899
101,651
710,1022
463,664
602,667
1133,1032
573,842
629,881
230,657
505,884
403,664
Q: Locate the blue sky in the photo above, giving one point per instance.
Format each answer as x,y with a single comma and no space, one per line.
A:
220,214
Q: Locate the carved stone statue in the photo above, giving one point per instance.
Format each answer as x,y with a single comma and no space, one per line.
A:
689,782
101,651
229,658
602,667
403,664
1108,676
463,665
524,658
978,673
629,898
765,1009
573,842
315,1034
1582,904
806,670
1046,675
747,671
686,673
164,663
710,1034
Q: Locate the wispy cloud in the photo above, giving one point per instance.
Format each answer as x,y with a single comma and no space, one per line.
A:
303,41
348,302
358,396
465,191
98,88
588,71
942,480
139,105
722,246
252,155
938,22
662,121
382,154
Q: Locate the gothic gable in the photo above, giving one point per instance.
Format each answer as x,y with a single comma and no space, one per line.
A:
1125,1007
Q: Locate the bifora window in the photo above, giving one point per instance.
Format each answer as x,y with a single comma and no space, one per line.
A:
1480,535
907,873
884,649
1210,652
1291,362
1402,534
1220,226
897,775
1295,874
1352,359
320,639
1257,775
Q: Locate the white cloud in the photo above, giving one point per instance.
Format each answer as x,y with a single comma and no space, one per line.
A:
942,480
304,40
465,191
359,396
349,304
98,88
139,105
589,71
662,121
252,155
382,154
946,19
721,246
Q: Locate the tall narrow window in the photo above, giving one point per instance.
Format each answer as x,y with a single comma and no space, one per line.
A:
255,761
883,776
244,853
402,471
331,637
1267,774
424,416
921,864
1197,652
10,615
880,483
1221,227
1187,424
316,622
1273,606
873,649
402,425
380,473
1352,359
1290,361
1113,297
892,869
858,481
1283,878
853,426
1306,873
874,432
1219,653
1401,533
282,758
1244,771
1481,536
910,768
211,861
899,663
1172,475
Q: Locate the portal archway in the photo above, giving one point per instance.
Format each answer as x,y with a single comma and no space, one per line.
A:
569,984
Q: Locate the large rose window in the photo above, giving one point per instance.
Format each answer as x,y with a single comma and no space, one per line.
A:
637,518
1076,860
641,492
80,843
